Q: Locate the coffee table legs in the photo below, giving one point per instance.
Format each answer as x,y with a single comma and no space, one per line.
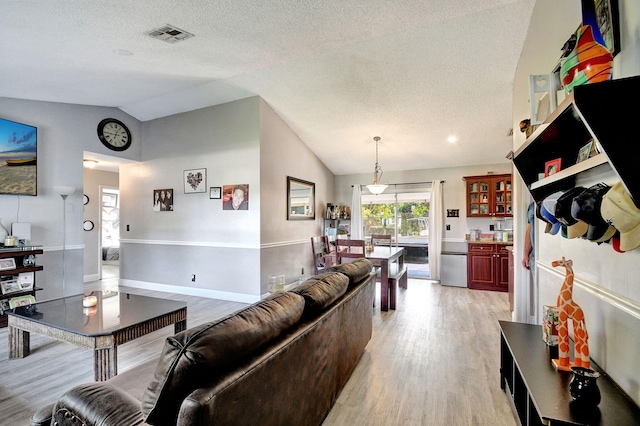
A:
105,364
19,340
180,326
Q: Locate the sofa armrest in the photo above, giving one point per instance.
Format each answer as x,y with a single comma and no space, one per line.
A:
42,417
97,404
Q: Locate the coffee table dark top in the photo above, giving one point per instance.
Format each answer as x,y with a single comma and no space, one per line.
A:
114,311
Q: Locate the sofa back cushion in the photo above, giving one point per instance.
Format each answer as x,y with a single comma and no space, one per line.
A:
321,291
356,271
193,357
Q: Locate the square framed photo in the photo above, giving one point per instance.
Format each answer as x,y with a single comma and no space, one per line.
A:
584,152
7,263
552,167
195,180
215,193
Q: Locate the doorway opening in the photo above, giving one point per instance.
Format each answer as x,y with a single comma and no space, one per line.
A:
404,216
109,232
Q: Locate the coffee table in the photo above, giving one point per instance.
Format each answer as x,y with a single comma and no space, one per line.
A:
116,319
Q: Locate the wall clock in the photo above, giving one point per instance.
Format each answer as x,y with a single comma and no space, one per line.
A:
87,225
85,199
114,134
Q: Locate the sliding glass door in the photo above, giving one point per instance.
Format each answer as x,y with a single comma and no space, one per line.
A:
403,214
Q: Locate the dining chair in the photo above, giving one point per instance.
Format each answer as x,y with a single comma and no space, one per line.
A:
349,250
321,256
381,240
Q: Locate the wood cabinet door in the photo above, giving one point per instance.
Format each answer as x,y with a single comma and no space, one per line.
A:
481,270
502,269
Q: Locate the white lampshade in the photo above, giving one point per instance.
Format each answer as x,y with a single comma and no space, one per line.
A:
377,189
64,190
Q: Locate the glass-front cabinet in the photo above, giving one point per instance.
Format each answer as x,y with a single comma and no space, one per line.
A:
489,196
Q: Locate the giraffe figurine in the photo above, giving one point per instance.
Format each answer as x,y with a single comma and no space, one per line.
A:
568,309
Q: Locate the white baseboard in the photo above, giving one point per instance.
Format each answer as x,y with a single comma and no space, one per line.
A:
192,291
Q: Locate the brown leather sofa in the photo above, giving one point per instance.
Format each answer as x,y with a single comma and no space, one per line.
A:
281,361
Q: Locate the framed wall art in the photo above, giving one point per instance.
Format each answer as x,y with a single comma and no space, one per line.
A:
163,200
195,181
235,197
18,155
215,192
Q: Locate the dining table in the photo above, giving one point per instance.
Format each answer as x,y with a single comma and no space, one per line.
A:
384,257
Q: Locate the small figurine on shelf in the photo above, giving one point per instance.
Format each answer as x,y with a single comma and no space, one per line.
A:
569,309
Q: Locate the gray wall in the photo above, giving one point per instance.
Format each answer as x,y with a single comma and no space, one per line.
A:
286,244
64,133
606,284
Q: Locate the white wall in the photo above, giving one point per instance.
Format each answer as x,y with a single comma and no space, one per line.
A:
64,133
606,285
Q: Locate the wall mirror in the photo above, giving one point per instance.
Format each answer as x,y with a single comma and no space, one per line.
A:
301,196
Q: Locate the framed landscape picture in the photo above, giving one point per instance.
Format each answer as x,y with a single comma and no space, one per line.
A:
18,158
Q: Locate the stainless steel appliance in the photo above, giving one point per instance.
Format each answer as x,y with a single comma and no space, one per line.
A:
453,271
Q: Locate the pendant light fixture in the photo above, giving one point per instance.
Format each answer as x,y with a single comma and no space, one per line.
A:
376,187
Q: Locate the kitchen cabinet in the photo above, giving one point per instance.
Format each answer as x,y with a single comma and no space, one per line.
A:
602,113
488,267
17,276
489,196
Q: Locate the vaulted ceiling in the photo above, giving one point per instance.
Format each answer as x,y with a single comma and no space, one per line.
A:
339,72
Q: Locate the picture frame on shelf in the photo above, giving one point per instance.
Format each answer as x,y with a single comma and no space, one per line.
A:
608,16
215,192
195,181
10,286
585,152
7,264
552,167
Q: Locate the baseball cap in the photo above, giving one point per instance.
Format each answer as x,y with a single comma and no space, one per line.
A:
574,227
618,209
548,206
586,207
547,229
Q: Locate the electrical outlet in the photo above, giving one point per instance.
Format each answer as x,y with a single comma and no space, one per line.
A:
448,227
193,278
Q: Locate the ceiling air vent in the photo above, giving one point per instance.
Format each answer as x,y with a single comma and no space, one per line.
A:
170,34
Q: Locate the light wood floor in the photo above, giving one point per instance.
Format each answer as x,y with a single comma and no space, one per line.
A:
433,361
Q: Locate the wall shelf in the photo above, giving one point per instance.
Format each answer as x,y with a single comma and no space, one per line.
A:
602,112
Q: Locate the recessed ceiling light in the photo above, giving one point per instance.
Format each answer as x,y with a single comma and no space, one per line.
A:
90,164
452,139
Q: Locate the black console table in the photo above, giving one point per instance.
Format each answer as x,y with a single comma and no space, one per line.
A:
539,394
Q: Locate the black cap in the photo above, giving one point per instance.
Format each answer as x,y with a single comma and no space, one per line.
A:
575,227
586,207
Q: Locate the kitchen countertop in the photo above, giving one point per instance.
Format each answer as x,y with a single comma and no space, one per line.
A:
490,241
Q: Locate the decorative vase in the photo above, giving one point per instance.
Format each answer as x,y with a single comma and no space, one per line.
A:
3,231
590,61
583,386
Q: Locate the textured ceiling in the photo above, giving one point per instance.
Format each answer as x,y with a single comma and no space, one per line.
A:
337,71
